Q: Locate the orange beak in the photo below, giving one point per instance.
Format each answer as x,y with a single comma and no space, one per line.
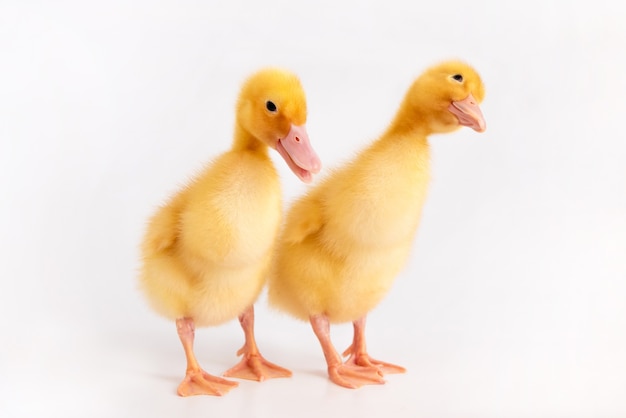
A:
469,114
296,150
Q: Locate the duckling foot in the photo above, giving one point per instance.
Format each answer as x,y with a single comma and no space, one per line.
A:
358,352
254,367
352,376
364,360
199,382
349,375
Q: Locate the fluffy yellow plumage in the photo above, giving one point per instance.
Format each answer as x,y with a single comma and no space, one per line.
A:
206,252
345,241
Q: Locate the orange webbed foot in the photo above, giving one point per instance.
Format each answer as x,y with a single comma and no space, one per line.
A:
199,382
350,374
253,366
353,376
364,360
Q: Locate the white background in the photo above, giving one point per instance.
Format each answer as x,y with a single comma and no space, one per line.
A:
512,304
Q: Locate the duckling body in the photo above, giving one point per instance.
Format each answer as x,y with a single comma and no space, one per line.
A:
221,250
207,251
367,221
345,241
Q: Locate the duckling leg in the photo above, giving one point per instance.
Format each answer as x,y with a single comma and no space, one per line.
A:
253,366
197,381
358,352
349,375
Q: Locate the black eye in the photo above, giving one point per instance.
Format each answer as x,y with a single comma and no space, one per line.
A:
458,77
270,106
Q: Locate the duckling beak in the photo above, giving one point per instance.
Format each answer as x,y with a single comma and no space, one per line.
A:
297,152
468,113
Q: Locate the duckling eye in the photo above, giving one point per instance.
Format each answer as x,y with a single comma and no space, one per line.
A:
458,77
269,105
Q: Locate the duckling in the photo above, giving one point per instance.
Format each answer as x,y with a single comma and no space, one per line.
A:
344,241
207,251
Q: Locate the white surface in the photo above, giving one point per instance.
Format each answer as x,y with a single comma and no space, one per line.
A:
513,303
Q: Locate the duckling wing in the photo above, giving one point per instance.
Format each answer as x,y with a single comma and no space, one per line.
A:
304,219
163,227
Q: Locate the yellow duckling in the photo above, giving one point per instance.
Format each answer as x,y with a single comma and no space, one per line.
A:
345,241
207,251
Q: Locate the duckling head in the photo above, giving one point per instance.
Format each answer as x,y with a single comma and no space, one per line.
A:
272,108
447,96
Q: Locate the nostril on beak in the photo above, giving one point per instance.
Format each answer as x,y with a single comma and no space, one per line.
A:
297,139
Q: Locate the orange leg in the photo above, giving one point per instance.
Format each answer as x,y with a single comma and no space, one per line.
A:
349,375
253,366
197,381
358,352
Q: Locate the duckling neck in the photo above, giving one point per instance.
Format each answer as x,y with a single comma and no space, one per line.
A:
409,122
408,133
245,141
406,142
